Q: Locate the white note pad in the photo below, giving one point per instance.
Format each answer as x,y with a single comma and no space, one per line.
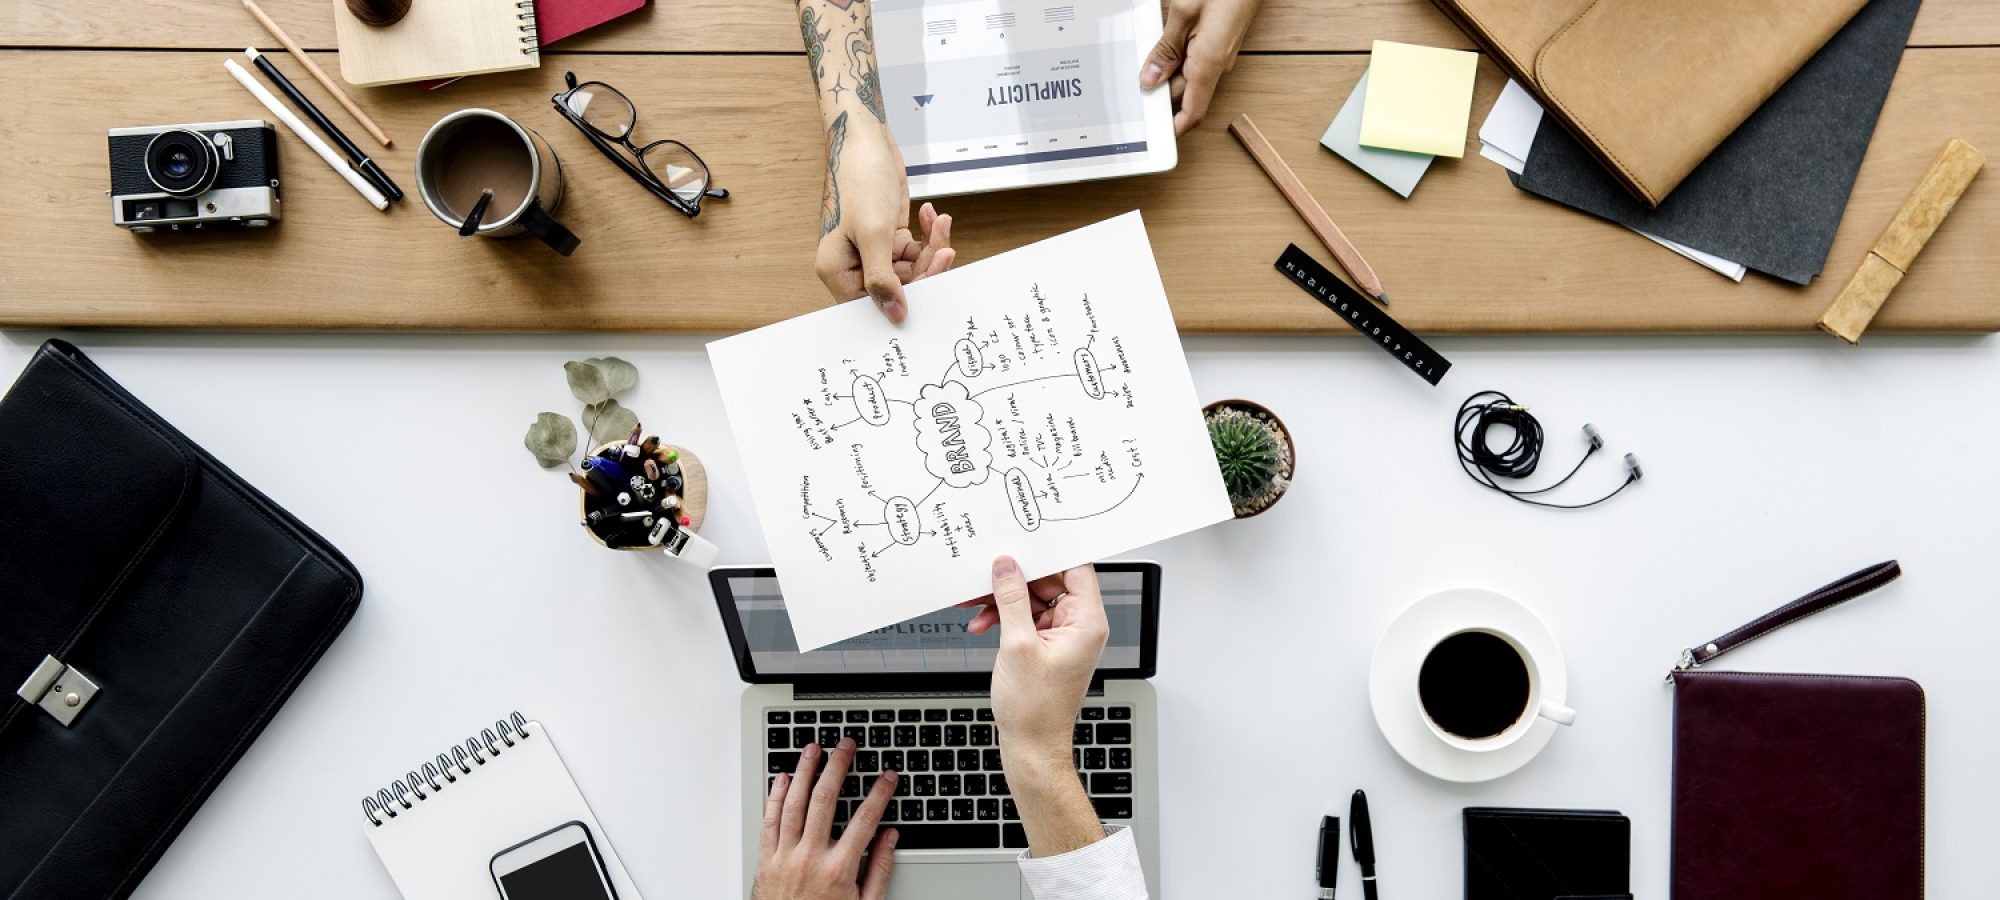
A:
1035,404
442,847
1398,169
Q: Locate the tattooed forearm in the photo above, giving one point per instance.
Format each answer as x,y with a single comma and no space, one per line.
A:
836,140
845,24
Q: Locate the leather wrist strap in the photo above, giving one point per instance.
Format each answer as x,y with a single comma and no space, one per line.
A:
1827,597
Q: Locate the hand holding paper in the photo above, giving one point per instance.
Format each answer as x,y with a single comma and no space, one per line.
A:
1039,407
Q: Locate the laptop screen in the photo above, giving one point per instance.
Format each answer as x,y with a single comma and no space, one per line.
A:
933,643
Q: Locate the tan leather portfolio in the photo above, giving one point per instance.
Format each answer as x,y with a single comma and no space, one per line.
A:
1651,86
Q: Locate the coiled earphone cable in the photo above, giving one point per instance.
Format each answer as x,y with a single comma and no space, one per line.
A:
1482,412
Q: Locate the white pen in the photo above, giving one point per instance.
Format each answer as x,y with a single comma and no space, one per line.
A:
270,101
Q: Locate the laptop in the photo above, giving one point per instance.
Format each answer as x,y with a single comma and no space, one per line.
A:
989,95
914,697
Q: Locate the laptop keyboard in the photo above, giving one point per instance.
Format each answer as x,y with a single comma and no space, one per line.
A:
953,793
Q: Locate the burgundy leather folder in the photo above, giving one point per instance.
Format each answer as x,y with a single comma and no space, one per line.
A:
1797,786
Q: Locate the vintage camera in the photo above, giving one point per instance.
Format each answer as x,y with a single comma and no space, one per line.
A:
210,175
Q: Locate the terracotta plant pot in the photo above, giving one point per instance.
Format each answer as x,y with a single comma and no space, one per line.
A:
1287,452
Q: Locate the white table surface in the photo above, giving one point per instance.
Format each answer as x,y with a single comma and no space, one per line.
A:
1773,465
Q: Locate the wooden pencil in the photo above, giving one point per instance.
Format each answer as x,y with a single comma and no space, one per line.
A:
1302,200
318,74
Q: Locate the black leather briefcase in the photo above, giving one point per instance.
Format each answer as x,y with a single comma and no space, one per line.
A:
155,611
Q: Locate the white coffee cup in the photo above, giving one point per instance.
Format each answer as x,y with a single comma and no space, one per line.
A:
1535,706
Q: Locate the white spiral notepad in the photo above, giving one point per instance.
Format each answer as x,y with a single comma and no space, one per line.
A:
438,39
437,828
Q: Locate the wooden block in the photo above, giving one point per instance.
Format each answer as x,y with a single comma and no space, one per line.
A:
1909,229
1857,302
1928,203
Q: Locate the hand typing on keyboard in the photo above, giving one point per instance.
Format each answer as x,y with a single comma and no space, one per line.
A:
800,859
1052,632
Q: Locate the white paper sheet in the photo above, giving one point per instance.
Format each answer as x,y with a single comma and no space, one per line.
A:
1397,169
1507,137
1036,404
1510,126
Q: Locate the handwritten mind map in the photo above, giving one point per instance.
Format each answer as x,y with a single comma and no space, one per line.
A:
1035,404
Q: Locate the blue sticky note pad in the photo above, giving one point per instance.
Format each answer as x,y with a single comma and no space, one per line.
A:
1399,170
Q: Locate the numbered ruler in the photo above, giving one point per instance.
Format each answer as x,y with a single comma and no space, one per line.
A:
1363,314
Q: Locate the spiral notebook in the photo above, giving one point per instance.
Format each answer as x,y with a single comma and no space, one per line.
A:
438,39
437,828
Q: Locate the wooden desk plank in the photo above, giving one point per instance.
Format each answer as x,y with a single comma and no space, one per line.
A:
1468,254
767,26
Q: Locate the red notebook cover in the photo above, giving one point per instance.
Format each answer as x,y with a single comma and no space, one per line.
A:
558,19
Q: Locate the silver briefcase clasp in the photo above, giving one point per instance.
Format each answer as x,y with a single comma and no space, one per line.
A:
59,690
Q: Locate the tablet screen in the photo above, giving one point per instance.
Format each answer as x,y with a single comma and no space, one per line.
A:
1003,93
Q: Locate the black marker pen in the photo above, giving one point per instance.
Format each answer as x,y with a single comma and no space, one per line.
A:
1329,855
1363,835
362,164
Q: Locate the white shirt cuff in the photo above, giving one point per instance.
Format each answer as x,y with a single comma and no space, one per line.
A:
1106,870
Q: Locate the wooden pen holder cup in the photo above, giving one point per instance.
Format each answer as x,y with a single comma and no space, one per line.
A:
694,494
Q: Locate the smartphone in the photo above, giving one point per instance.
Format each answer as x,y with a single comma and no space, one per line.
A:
561,863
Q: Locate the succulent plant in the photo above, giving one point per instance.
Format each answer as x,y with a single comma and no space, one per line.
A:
1247,451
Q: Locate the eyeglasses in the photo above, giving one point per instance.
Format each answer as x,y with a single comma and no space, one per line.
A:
667,168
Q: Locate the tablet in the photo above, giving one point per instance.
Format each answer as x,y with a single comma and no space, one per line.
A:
989,95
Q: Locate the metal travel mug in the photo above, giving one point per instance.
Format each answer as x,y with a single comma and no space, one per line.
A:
476,150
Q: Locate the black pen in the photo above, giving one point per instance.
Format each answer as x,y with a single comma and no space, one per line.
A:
1329,855
362,163
1363,835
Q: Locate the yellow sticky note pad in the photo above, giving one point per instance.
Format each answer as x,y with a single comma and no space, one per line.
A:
1419,99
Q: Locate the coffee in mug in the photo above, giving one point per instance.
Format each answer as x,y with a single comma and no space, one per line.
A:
472,151
1479,690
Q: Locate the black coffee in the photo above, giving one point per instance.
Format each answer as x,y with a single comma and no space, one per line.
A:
1473,685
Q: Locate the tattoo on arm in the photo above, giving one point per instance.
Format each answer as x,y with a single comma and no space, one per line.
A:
867,78
819,26
815,39
836,140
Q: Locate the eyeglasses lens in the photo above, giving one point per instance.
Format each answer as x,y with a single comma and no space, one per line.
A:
678,169
606,111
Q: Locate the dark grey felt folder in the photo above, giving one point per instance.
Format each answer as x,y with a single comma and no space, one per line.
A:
1770,197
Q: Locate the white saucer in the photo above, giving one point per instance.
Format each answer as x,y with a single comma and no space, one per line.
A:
1392,681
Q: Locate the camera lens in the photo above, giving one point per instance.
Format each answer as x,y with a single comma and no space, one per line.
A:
182,162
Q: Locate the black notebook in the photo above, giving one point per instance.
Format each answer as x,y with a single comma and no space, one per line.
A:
1547,854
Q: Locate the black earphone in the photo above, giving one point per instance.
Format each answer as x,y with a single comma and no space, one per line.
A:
1486,409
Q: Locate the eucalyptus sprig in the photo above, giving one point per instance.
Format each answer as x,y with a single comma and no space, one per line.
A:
596,383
